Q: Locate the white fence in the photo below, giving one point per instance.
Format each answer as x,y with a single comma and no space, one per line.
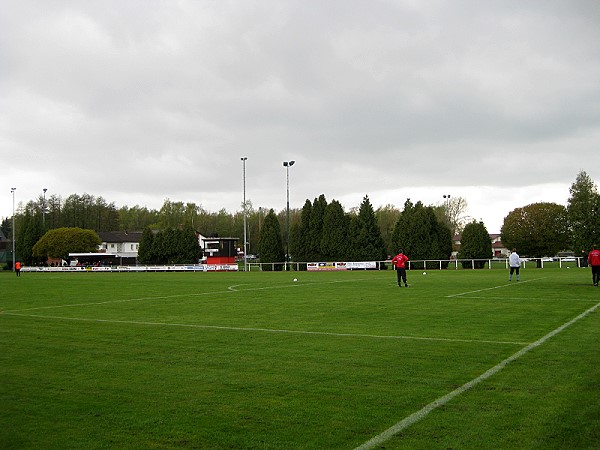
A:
430,264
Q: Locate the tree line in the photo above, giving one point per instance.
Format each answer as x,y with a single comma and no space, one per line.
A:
322,230
34,218
545,228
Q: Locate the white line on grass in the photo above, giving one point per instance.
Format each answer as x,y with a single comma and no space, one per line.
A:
263,330
494,287
230,289
380,439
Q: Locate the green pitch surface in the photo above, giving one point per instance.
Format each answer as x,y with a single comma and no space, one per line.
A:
460,359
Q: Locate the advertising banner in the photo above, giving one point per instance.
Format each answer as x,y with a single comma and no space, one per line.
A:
324,266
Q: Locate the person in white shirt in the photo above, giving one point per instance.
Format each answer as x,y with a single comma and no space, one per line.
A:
515,264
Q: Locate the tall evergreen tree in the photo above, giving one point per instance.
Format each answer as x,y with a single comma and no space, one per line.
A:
403,236
387,217
146,247
300,236
422,236
475,244
31,232
270,244
190,251
315,228
367,243
334,239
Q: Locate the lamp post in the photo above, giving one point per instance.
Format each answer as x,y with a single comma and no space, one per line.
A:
245,239
447,212
44,209
287,165
12,191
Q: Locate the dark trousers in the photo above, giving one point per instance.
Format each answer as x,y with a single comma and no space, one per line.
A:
401,273
595,274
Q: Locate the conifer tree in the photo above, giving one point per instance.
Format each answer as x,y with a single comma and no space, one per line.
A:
334,239
299,235
270,244
422,236
315,228
367,243
146,247
475,243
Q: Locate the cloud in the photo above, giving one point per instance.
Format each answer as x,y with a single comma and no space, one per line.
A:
140,101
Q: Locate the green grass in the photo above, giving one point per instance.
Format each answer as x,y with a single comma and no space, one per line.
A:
253,360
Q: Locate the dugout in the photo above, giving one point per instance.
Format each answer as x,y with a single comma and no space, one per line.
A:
220,250
101,259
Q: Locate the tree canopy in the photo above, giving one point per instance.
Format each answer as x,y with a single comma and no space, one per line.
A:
537,230
271,245
584,213
59,242
475,244
421,235
170,246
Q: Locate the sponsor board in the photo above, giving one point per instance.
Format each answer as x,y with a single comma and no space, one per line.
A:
325,266
166,268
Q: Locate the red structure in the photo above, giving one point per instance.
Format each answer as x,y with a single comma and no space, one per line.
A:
218,250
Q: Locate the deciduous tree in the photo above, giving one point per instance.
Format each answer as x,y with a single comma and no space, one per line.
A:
537,230
584,213
59,242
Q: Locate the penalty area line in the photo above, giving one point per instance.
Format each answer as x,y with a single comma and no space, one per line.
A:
422,413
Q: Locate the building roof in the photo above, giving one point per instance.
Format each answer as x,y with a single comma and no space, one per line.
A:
120,236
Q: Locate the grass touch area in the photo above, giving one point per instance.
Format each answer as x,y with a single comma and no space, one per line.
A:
254,360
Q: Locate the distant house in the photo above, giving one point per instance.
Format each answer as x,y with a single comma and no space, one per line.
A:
498,248
500,251
123,243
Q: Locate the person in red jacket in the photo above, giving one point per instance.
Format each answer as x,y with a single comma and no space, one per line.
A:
399,262
18,268
594,262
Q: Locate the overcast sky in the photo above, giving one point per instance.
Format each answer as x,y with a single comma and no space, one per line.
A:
138,101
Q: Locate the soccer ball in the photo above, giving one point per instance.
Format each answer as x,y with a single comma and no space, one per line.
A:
424,273
295,279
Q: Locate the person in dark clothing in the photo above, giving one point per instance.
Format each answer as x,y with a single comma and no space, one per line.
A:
594,262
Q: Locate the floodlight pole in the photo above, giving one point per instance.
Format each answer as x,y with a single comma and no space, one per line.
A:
44,209
287,165
245,239
447,212
12,191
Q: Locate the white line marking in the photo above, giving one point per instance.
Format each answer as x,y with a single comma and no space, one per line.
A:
495,287
191,294
263,330
422,413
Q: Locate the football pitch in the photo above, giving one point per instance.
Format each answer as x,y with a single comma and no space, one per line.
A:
337,360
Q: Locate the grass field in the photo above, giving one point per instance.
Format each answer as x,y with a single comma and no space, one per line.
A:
461,359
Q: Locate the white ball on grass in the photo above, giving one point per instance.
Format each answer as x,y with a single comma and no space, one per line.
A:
424,273
295,279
